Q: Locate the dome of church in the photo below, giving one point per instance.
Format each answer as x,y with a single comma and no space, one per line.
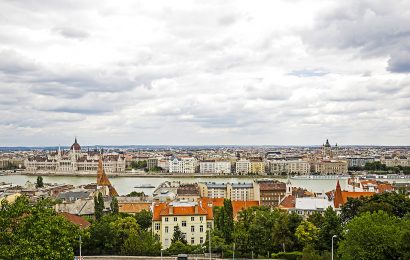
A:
75,146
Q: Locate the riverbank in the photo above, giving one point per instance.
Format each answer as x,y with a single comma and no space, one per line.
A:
146,175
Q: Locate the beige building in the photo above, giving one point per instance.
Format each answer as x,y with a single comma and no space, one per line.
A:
331,167
193,219
278,167
401,160
232,191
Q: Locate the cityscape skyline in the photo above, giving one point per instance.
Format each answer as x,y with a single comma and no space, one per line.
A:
201,73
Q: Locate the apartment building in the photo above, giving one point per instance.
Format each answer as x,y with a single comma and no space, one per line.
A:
232,191
271,192
182,165
277,167
358,161
214,166
243,167
257,166
193,219
331,167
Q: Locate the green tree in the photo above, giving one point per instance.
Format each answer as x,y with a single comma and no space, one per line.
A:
316,218
39,183
35,231
374,236
330,227
141,242
114,205
228,221
144,219
178,236
98,206
307,233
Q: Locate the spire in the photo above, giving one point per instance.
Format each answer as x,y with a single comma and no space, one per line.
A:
338,198
102,178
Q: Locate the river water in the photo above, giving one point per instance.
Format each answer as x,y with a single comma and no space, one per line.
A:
125,185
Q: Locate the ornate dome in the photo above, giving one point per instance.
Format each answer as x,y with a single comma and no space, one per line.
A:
75,146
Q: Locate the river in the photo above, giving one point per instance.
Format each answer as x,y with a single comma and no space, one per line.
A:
125,185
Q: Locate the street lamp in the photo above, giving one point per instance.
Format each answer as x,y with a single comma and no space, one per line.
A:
161,252
334,236
80,246
233,252
210,251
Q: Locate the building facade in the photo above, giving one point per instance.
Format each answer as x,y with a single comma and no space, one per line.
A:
74,160
214,166
242,167
194,219
182,165
277,167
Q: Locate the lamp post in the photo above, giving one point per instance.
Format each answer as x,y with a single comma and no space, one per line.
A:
233,252
80,246
161,252
334,236
210,251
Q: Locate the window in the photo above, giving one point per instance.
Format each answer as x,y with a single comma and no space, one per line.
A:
175,219
201,218
166,229
157,226
166,241
166,219
192,240
184,223
201,240
201,228
209,224
192,218
192,228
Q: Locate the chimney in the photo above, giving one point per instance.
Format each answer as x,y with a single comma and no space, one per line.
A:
171,210
196,209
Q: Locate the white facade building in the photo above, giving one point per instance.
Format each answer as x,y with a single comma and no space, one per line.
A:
182,165
243,167
212,166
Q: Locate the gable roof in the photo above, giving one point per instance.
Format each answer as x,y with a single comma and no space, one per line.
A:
77,220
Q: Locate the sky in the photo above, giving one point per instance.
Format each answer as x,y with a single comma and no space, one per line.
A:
204,72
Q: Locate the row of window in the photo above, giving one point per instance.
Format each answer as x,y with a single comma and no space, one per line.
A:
201,240
176,219
157,226
201,228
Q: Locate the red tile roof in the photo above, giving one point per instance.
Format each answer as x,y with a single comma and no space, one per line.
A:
77,220
288,202
167,209
134,207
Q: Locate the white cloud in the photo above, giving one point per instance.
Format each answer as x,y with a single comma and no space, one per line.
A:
213,72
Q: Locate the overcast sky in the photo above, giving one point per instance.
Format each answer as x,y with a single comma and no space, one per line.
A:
204,72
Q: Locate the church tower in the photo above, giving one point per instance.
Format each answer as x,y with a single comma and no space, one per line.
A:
327,150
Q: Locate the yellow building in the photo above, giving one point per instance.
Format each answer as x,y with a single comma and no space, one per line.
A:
194,219
257,166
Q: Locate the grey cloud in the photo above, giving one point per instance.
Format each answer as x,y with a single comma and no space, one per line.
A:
308,73
399,62
69,32
14,63
374,28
